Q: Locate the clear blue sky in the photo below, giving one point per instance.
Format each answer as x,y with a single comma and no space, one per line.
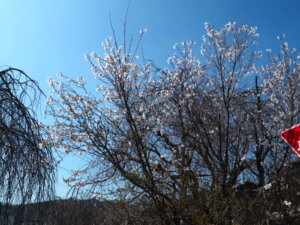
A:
45,37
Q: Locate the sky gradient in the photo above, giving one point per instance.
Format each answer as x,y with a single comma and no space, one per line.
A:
46,37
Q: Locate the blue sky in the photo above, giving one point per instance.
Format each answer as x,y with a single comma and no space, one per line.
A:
46,37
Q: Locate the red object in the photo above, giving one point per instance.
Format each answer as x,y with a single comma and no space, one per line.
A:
292,137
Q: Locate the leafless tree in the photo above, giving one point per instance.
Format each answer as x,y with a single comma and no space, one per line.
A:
26,162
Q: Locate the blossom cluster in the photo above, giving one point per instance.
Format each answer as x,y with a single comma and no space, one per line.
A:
165,124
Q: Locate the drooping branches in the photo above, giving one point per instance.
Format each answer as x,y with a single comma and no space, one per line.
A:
26,162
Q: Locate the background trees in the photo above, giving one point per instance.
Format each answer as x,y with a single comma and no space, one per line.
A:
26,162
198,139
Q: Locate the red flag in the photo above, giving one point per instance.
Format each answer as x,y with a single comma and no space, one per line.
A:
292,137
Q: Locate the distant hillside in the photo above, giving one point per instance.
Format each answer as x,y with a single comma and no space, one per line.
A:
67,212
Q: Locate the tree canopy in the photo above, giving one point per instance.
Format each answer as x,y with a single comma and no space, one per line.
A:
189,139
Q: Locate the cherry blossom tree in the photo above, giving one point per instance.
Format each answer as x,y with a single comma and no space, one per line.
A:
190,137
